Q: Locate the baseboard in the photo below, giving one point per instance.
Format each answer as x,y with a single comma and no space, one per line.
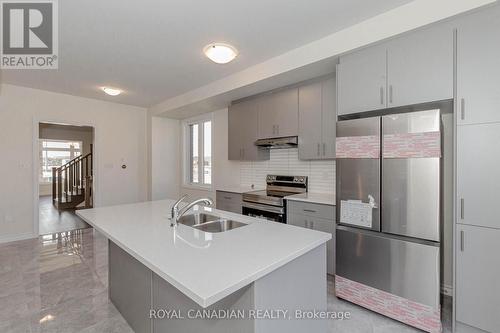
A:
18,237
446,290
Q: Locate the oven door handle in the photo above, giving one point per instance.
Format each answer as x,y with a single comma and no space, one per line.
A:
265,208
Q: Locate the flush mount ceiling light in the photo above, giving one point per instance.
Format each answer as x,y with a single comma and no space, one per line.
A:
111,91
220,53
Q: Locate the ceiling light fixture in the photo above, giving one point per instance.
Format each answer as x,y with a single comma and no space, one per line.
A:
220,53
111,91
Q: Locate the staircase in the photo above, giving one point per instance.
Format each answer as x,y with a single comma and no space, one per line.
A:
72,183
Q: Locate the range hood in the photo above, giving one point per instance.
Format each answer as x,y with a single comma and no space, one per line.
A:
278,143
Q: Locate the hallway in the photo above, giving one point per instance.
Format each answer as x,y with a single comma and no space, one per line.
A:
52,221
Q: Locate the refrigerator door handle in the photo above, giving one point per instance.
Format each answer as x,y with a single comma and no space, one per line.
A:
462,202
462,239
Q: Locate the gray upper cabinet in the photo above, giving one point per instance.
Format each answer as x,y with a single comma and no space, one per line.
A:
420,67
362,80
278,114
243,130
415,68
478,67
317,118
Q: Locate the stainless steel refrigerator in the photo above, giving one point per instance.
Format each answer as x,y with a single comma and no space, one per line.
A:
388,234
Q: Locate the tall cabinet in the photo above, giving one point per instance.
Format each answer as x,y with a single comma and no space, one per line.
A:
317,119
478,180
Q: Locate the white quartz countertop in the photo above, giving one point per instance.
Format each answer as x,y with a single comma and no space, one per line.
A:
206,267
239,189
319,198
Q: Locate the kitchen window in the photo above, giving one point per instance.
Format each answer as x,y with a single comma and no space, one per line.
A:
198,152
54,154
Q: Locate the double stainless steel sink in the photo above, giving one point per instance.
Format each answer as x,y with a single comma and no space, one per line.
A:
209,223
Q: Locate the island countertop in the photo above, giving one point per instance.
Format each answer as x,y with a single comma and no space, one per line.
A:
206,267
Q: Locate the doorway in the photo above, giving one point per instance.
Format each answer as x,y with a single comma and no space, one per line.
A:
65,176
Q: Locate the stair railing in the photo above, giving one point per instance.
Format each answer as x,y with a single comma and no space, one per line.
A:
72,177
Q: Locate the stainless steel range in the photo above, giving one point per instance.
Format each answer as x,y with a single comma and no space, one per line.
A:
269,203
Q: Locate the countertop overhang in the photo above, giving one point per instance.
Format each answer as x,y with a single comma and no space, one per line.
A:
206,267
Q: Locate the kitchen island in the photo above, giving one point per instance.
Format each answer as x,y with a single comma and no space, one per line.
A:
260,277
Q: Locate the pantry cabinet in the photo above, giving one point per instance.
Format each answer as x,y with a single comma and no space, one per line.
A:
477,272
243,131
415,68
317,119
478,67
478,179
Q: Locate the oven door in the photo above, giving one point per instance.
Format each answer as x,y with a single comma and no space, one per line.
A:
267,212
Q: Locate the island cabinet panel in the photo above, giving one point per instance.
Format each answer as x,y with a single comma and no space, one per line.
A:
243,131
130,288
139,294
279,114
228,201
317,119
317,217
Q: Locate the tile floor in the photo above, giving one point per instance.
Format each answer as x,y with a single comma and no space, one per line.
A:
52,221
58,283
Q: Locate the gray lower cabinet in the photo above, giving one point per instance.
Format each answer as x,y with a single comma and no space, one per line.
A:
229,201
317,217
243,131
477,274
317,119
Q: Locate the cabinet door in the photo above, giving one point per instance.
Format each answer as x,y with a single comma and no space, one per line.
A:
228,201
478,270
362,80
478,179
310,123
329,118
236,117
279,114
243,128
297,220
420,67
478,67
327,226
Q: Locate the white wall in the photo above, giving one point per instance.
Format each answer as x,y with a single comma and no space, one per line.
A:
120,138
165,161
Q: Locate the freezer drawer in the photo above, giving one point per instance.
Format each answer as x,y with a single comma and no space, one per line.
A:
406,269
411,197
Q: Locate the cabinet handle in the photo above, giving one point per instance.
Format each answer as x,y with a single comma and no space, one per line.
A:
462,239
318,149
324,149
382,95
462,109
312,225
390,94
227,198
306,223
462,209
309,210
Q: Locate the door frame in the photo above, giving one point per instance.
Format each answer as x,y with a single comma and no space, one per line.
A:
36,163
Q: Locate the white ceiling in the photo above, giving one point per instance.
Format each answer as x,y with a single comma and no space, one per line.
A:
153,49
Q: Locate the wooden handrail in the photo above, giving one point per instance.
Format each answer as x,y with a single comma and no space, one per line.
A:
73,178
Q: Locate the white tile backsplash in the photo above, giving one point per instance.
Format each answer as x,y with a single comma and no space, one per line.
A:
286,162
